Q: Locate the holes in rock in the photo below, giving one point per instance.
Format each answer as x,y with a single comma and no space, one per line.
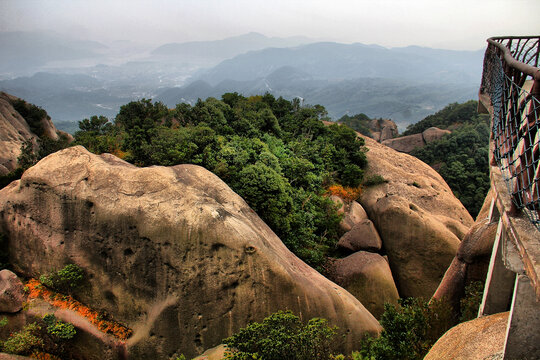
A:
216,246
109,296
128,252
413,207
250,249
231,285
198,341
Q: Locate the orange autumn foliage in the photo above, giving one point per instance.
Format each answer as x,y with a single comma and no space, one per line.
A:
37,290
344,192
118,153
43,356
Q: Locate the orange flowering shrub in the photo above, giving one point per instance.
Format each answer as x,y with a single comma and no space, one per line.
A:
43,356
37,290
345,192
118,153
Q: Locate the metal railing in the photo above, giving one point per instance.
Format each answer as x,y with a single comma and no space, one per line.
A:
511,79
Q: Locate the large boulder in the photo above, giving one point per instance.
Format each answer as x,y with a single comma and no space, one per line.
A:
172,252
433,134
383,129
352,211
368,277
408,143
419,219
363,236
478,339
11,292
405,144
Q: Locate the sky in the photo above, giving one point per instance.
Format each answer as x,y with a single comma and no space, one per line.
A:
452,24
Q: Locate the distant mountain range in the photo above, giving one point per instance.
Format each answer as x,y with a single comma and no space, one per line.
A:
334,61
225,48
404,84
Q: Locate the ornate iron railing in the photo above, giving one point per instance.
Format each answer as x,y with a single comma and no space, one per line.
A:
511,79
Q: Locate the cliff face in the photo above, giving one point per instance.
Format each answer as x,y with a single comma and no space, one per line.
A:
173,252
14,131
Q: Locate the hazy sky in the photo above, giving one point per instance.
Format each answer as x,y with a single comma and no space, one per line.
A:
453,24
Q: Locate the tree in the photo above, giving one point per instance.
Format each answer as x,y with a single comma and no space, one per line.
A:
268,193
282,336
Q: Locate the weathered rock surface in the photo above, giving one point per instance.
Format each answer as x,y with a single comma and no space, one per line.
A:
171,249
11,292
419,220
478,339
433,134
363,236
383,129
368,277
14,131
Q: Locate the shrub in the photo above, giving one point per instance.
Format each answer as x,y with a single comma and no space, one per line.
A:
67,279
32,114
24,341
345,192
410,329
6,179
470,303
282,336
58,328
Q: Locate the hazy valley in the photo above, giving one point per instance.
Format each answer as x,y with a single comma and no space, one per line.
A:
75,79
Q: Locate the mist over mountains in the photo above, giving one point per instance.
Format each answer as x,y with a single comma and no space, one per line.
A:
74,79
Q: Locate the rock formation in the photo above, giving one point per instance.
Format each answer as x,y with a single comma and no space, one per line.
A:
383,129
405,144
478,339
363,236
419,219
368,277
408,143
433,134
173,250
353,213
14,131
11,292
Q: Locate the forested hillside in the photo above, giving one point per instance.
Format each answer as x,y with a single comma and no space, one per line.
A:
275,154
